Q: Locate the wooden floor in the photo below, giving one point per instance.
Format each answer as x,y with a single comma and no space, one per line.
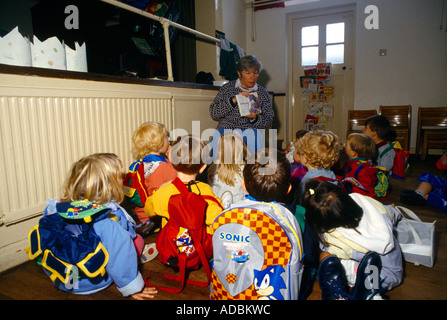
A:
28,281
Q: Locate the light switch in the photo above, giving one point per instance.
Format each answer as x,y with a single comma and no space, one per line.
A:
382,52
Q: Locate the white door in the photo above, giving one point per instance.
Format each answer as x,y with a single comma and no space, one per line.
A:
321,38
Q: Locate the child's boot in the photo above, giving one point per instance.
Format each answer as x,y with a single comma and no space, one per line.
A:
332,279
367,284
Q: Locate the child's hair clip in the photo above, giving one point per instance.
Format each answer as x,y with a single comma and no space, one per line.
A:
312,192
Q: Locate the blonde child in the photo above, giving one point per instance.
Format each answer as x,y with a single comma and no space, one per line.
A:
150,142
186,157
318,152
90,214
298,169
225,173
360,173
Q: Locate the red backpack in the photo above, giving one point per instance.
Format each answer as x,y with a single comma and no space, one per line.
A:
401,158
184,242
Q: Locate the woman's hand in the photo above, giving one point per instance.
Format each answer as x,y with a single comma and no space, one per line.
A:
251,116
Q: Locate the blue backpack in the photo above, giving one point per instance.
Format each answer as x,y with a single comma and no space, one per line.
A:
67,240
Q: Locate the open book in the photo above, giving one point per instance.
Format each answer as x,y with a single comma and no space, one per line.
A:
248,105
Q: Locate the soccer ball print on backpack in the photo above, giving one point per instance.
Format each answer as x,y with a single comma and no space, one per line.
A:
257,253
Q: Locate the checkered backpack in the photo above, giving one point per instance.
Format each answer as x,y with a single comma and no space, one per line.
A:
257,250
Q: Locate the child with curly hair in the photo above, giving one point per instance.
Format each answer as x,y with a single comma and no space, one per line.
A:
318,151
86,241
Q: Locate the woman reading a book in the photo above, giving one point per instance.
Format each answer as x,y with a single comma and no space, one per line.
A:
244,105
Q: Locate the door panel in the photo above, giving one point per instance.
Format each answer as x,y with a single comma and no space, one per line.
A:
319,38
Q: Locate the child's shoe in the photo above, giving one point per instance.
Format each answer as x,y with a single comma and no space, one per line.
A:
367,284
412,198
146,228
332,279
149,253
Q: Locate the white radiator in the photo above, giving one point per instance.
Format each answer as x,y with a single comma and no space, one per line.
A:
41,136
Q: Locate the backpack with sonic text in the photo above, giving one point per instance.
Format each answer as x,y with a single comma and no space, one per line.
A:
134,187
184,242
67,240
257,253
401,164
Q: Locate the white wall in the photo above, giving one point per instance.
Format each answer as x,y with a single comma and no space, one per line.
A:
413,72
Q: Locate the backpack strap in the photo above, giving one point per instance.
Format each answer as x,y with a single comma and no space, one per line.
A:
391,147
180,185
182,188
325,179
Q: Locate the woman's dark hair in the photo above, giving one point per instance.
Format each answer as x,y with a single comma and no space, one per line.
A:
328,207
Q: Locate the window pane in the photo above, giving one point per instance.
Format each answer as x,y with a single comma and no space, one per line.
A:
335,53
335,32
309,36
309,56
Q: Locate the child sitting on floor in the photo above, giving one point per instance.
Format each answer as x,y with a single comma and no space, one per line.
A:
318,152
85,240
360,174
431,191
225,173
379,129
186,158
150,142
358,247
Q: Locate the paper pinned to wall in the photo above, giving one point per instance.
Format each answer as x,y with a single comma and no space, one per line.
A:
15,49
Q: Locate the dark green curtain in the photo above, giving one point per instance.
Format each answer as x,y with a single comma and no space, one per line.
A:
184,64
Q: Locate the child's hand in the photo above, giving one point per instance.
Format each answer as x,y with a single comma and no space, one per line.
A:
147,293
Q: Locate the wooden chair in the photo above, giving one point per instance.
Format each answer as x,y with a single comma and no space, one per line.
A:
432,129
356,119
400,119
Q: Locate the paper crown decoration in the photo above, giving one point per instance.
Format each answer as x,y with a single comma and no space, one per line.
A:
15,49
51,53
77,58
48,54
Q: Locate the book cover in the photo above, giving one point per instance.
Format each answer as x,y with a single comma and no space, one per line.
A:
248,105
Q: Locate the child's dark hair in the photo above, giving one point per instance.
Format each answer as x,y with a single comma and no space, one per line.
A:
328,207
268,187
382,126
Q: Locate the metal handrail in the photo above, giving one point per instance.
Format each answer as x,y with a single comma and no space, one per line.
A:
165,23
